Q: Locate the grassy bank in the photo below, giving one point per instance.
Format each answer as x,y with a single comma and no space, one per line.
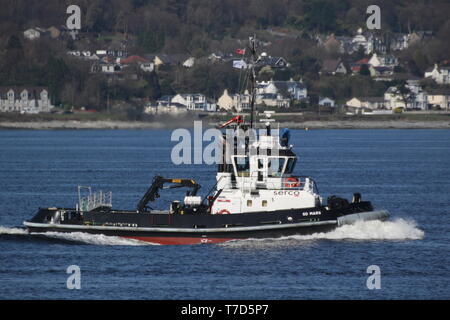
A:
294,121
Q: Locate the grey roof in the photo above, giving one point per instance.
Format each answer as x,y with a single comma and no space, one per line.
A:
276,62
330,65
166,98
173,58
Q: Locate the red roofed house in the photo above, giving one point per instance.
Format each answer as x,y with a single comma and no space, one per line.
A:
144,64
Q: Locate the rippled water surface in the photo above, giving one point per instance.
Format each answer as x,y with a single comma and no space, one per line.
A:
406,172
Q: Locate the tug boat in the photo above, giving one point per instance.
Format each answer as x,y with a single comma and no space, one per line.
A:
256,195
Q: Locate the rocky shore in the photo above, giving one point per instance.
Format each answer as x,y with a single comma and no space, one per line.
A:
109,124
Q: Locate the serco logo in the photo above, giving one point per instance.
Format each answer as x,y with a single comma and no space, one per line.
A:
287,193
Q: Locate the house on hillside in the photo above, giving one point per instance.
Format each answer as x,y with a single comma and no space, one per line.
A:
363,40
439,74
355,67
231,102
272,62
326,102
333,67
331,44
295,90
273,100
439,99
346,44
193,102
174,60
398,41
25,99
385,60
107,68
413,98
31,34
144,64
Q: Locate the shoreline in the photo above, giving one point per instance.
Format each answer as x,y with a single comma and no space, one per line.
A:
140,125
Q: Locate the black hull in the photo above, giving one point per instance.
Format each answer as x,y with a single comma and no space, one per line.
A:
194,238
193,229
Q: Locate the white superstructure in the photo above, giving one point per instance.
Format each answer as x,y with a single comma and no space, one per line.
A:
260,177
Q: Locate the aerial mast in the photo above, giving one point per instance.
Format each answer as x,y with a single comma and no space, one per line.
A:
254,58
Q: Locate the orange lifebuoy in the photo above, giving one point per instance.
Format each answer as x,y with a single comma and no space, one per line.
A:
224,211
292,182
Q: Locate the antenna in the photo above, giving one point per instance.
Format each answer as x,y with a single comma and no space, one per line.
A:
252,41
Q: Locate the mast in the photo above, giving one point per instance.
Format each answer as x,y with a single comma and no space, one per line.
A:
252,41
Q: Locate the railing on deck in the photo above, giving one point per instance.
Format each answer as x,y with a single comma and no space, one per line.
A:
93,200
251,183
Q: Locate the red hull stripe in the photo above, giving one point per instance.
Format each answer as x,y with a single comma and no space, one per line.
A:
180,240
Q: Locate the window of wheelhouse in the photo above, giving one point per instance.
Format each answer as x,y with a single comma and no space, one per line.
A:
242,166
275,166
290,165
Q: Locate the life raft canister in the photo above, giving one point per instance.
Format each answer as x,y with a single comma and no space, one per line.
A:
291,182
224,211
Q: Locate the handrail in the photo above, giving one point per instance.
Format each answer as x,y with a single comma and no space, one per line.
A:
94,200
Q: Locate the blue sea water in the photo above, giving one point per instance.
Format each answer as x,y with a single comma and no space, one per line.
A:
406,172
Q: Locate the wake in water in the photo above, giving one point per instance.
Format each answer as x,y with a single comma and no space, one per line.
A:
6,230
398,229
95,239
77,237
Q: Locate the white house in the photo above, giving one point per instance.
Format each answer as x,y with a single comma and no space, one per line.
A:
416,98
32,34
439,100
295,90
108,68
147,66
439,74
362,40
25,99
211,106
193,102
366,103
238,102
174,109
399,41
326,102
385,60
273,100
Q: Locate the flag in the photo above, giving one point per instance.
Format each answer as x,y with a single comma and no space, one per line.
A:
239,64
240,51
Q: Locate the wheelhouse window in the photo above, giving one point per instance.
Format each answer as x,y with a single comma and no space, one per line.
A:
290,165
275,166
